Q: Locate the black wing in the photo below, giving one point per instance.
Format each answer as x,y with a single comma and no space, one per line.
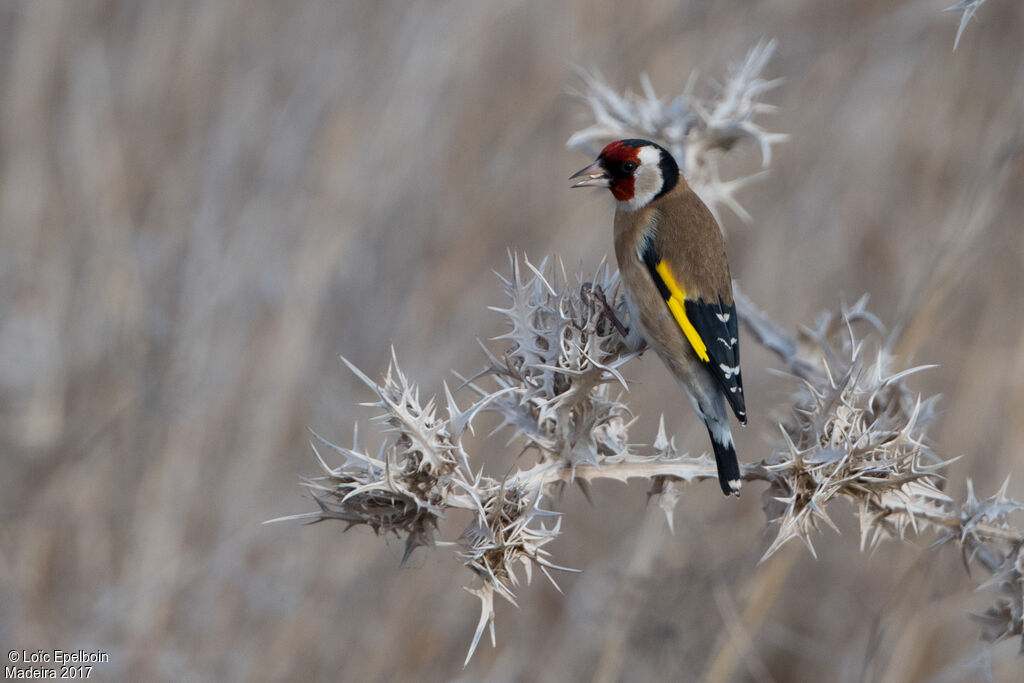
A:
716,323
710,328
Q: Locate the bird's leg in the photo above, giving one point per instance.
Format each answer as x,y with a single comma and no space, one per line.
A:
587,299
607,311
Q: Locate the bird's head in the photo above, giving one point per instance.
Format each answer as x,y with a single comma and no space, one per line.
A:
636,171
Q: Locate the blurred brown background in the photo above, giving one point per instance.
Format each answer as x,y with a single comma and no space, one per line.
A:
203,203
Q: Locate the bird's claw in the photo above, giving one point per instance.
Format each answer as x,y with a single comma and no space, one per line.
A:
591,293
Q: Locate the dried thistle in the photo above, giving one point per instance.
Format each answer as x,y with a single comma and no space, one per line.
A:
552,386
856,430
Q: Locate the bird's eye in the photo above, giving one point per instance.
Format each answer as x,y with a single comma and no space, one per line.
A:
629,166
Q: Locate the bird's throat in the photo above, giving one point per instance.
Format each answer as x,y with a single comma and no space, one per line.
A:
622,189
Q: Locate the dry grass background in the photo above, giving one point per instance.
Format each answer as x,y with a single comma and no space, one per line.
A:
203,203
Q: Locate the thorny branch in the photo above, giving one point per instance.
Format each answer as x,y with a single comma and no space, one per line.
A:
855,430
967,9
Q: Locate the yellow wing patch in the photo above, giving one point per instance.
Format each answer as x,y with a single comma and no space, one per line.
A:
676,305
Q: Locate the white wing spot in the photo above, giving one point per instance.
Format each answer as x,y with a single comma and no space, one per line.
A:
724,317
729,371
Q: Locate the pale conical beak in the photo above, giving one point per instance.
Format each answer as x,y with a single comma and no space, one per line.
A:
593,176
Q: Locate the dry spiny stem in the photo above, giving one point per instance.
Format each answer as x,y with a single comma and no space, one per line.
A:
855,431
858,432
967,9
553,388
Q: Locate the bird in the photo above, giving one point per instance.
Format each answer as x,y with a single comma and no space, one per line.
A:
672,260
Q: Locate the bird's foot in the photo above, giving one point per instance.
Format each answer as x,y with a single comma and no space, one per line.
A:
594,295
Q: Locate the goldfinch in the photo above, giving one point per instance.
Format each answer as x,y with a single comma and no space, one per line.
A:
671,256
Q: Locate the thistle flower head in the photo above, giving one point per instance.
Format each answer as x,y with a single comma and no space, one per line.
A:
856,431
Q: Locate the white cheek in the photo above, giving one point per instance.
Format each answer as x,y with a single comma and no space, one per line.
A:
648,180
640,199
631,204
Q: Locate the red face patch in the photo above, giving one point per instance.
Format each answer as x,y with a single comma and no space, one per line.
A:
613,157
621,151
622,188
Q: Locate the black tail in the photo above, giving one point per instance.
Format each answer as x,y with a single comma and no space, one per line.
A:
725,458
